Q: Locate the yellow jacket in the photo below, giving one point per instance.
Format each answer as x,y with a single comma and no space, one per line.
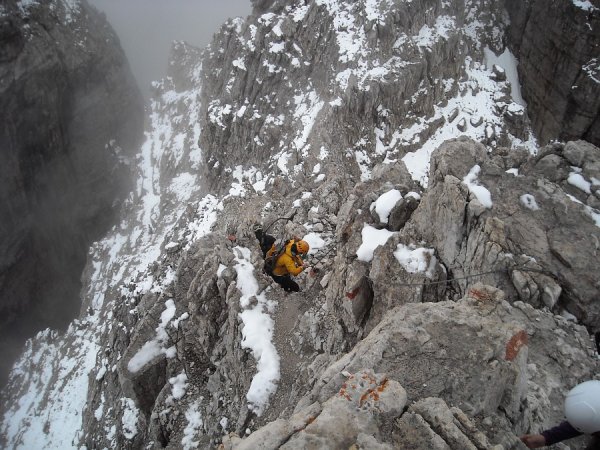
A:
287,263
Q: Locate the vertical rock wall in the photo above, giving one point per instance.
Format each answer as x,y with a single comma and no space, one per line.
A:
557,44
69,113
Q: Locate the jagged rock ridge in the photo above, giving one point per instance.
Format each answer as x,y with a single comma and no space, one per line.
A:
309,122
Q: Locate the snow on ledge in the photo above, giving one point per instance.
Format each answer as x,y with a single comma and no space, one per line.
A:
509,63
385,203
371,239
156,346
577,180
483,195
416,260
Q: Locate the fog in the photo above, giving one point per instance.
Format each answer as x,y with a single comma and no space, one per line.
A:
146,29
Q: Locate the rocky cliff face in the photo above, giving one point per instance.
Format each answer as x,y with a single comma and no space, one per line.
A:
557,46
454,298
70,117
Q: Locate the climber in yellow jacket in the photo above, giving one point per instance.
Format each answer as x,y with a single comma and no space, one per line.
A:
285,262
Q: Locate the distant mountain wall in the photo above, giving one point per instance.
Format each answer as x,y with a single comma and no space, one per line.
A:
70,112
557,43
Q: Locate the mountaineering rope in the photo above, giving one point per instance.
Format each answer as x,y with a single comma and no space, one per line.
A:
473,275
448,280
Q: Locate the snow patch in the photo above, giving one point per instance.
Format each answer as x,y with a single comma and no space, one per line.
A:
528,201
509,63
416,260
586,5
156,346
257,333
480,192
385,203
428,36
179,385
315,242
193,427
371,239
130,418
577,180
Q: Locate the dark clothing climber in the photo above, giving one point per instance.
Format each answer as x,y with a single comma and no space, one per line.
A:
582,410
560,433
288,262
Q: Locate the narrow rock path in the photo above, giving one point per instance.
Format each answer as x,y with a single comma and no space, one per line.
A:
289,309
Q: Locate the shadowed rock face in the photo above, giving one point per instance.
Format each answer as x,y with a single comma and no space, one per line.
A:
66,92
557,48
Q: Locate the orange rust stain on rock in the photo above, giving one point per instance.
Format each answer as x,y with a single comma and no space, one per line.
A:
515,344
363,398
479,295
352,294
373,392
383,385
310,420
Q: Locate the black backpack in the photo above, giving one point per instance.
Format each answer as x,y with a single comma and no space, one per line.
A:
271,261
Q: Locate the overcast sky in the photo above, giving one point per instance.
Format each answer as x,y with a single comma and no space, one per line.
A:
146,28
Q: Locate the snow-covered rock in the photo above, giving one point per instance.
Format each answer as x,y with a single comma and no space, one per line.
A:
316,112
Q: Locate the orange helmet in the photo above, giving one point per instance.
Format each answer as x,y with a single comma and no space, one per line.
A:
302,247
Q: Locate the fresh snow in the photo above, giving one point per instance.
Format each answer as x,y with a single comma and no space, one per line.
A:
371,239
130,418
428,36
509,63
577,180
592,69
240,64
179,385
586,5
477,97
480,192
277,47
257,333
156,346
351,38
307,109
193,427
528,201
315,242
416,260
385,203
48,414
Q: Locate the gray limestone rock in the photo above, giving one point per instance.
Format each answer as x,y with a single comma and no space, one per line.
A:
552,239
70,117
556,48
400,214
278,115
356,415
